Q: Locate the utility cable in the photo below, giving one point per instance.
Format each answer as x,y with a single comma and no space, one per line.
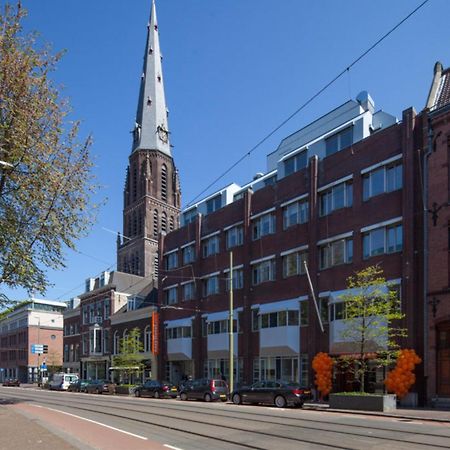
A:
310,100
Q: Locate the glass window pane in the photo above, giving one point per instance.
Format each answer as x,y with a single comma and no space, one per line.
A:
264,320
377,241
339,196
366,187
293,318
346,137
332,145
366,245
282,319
349,194
338,249
377,182
289,166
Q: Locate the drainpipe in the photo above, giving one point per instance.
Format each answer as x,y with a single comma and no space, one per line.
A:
426,155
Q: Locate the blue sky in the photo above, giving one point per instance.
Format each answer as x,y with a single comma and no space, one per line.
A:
233,70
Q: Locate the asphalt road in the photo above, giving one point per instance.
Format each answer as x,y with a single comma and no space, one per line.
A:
102,421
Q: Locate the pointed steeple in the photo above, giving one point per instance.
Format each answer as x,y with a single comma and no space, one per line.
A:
151,131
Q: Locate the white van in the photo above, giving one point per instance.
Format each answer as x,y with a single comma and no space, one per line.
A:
61,381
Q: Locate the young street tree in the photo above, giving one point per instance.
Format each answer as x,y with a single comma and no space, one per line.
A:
130,358
372,311
45,172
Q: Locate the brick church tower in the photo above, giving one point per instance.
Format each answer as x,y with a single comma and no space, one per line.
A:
152,193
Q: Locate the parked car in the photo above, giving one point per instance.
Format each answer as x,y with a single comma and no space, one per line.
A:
100,387
204,389
78,386
278,393
61,381
11,382
156,389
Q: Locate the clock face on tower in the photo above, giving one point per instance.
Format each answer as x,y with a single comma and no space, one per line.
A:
163,134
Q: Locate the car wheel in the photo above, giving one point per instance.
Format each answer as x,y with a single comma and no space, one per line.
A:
156,394
207,397
183,396
280,401
237,400
137,393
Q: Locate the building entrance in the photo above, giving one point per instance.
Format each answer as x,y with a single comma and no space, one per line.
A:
443,360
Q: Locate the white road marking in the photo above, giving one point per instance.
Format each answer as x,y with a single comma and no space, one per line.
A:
172,447
92,421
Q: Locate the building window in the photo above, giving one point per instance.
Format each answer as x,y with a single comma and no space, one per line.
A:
171,295
238,279
279,319
295,213
189,216
339,141
295,163
116,347
263,225
164,222
323,309
106,348
107,308
293,263
263,271
210,246
221,326
211,285
235,236
337,197
336,253
304,313
178,332
171,260
147,338
255,320
66,353
384,179
188,291
213,204
188,254
304,369
382,240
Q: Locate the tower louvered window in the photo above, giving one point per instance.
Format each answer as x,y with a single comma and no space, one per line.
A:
164,182
156,266
171,223
164,222
135,223
135,177
155,224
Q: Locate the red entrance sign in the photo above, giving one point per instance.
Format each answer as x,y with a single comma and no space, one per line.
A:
155,333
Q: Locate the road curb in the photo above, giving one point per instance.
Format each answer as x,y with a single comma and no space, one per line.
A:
326,408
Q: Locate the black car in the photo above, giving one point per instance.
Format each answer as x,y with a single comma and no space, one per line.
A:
156,389
100,387
11,382
278,393
204,389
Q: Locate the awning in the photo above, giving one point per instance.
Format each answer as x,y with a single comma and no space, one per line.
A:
285,305
124,368
221,315
186,322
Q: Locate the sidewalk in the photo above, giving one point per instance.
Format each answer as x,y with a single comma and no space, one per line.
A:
424,414
18,431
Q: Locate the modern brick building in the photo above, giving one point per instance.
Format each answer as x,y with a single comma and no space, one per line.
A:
340,194
436,310
32,322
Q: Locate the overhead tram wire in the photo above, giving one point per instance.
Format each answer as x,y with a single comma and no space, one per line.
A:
310,100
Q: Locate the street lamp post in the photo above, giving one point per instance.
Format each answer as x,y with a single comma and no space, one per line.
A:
231,326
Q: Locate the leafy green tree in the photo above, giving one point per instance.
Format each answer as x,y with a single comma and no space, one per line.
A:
46,183
130,358
371,323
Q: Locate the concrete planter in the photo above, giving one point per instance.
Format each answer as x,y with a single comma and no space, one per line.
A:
372,402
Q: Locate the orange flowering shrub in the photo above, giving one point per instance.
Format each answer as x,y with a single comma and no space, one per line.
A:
323,366
402,377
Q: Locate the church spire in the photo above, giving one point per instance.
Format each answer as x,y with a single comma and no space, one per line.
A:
151,131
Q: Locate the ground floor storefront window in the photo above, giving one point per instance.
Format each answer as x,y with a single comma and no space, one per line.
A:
220,368
285,368
177,371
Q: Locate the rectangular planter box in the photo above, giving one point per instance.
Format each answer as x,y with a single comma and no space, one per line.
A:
385,403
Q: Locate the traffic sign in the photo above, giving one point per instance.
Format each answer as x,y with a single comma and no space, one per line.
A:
37,348
44,366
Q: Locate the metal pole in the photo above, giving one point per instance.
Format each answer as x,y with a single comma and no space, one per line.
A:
39,342
313,296
231,326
